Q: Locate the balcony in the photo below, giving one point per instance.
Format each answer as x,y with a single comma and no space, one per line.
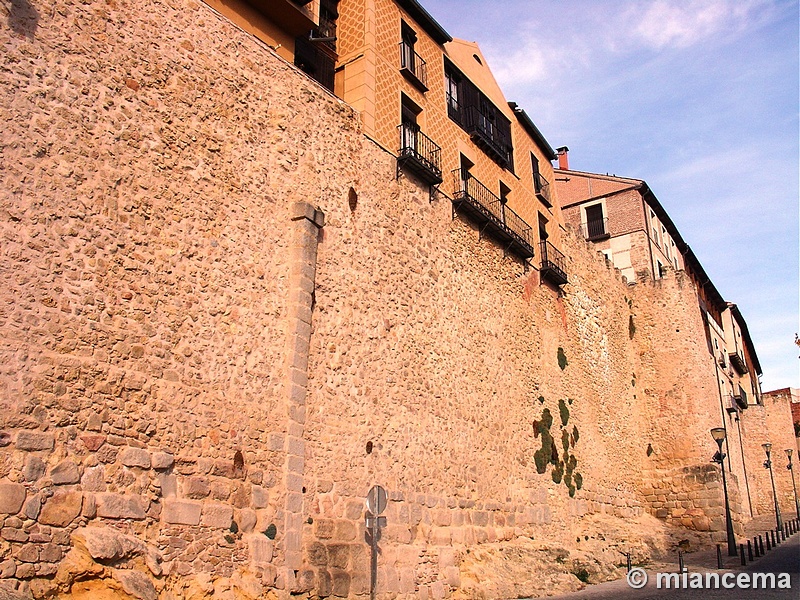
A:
542,187
326,32
596,230
475,200
738,363
292,16
413,67
554,264
419,154
741,398
484,132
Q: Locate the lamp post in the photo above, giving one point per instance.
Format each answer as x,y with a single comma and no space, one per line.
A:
794,485
718,433
768,465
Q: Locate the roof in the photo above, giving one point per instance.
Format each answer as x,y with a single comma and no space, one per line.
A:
469,59
615,185
425,20
533,131
746,335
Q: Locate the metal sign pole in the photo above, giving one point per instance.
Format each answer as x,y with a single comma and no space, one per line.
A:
373,575
376,504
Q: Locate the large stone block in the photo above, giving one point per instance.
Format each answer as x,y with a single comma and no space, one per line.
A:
61,509
261,548
121,506
135,457
196,487
136,584
35,440
12,497
340,584
219,516
162,460
65,473
181,512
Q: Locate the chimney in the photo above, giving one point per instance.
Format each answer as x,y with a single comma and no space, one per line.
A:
563,158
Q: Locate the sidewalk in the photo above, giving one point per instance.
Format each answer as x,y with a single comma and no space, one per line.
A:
706,561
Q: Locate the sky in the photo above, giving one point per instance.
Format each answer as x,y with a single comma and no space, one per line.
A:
697,97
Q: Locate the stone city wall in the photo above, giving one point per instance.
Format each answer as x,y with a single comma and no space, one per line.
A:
223,320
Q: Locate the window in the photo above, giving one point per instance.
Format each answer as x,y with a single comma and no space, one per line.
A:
465,165
315,55
540,185
595,223
504,192
660,269
408,119
412,66
328,14
543,235
654,227
451,89
486,124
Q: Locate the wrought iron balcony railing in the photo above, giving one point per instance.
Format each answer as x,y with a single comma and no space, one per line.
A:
419,154
485,133
554,264
596,229
542,187
413,66
489,211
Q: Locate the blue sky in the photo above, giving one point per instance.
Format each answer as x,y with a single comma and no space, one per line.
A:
697,97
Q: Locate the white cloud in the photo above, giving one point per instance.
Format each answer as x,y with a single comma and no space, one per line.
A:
533,60
683,23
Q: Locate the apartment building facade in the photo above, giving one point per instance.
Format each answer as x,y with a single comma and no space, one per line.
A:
432,101
623,218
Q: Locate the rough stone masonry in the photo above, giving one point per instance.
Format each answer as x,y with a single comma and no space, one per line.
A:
222,320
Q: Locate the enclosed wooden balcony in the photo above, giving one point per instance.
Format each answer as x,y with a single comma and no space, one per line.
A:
741,398
419,154
490,212
554,264
738,363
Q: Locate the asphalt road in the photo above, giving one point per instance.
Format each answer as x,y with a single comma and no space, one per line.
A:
783,559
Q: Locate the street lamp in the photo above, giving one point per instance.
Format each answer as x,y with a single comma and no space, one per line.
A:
794,485
768,465
718,433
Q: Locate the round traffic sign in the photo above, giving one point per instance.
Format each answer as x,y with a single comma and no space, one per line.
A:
376,500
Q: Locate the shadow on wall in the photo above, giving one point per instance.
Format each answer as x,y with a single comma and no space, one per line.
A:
23,18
